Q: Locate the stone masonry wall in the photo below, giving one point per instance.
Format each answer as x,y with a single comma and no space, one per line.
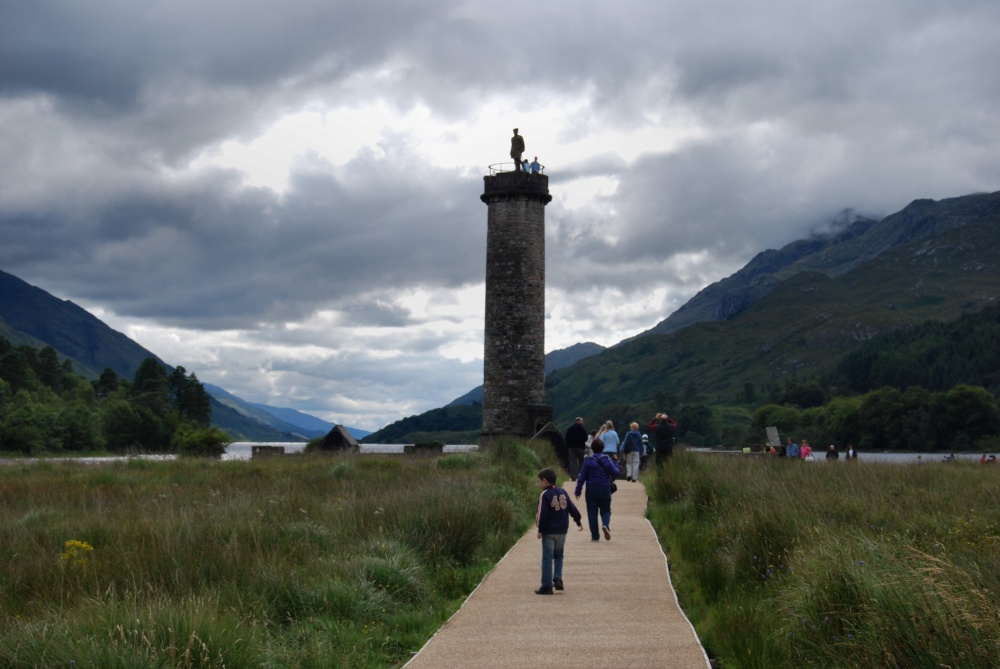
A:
514,346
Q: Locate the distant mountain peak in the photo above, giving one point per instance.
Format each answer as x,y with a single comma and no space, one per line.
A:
849,240
554,360
29,315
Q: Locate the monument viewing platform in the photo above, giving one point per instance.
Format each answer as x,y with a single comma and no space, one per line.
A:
504,180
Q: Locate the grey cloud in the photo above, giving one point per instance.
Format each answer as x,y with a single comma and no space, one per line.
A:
107,51
376,312
211,254
804,108
170,78
355,389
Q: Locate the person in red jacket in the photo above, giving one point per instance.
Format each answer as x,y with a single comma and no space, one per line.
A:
663,427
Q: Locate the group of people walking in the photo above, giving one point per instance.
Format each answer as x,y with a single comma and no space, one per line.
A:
594,462
805,451
633,450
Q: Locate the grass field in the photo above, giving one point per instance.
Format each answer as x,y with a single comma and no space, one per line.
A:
782,564
338,561
354,561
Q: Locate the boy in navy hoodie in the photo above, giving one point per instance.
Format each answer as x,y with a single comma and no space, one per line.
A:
554,509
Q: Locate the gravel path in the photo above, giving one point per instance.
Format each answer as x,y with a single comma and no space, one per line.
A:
618,608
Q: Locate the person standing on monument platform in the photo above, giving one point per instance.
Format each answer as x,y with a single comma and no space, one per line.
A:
516,149
576,443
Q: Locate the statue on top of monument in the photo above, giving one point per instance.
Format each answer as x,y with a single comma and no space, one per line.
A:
516,149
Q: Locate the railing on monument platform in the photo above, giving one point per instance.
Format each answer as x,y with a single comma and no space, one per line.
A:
503,181
503,168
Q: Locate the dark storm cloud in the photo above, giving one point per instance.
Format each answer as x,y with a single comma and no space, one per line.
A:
105,53
165,79
768,119
208,253
816,108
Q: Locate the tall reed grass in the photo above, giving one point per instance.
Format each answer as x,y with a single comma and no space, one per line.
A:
791,564
336,561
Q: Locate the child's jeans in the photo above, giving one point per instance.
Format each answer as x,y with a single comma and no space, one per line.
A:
552,556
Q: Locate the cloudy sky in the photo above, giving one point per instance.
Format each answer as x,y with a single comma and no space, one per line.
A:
283,197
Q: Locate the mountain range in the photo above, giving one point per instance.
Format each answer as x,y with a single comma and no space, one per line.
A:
554,360
789,313
932,260
33,317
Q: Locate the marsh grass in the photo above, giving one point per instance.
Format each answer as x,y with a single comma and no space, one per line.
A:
326,561
788,564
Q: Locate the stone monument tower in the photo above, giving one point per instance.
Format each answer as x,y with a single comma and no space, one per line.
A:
514,347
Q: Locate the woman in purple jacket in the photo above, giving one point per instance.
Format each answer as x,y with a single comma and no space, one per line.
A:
598,472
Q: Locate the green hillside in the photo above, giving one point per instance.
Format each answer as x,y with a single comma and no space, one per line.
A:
790,315
461,421
29,316
858,241
935,356
829,254
453,424
802,327
554,360
32,313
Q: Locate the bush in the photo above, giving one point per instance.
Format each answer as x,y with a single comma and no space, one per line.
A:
208,442
458,461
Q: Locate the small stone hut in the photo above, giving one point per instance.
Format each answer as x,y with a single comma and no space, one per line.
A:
338,439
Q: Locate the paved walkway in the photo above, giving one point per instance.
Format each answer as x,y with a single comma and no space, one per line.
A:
618,608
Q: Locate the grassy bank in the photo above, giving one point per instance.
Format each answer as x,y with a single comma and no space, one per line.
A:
342,561
789,564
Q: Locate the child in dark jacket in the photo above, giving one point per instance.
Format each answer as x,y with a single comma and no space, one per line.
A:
554,509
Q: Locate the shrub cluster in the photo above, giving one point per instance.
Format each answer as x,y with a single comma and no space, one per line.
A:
961,418
46,407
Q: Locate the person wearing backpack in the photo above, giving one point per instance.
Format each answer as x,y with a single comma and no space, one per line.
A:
632,448
598,473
